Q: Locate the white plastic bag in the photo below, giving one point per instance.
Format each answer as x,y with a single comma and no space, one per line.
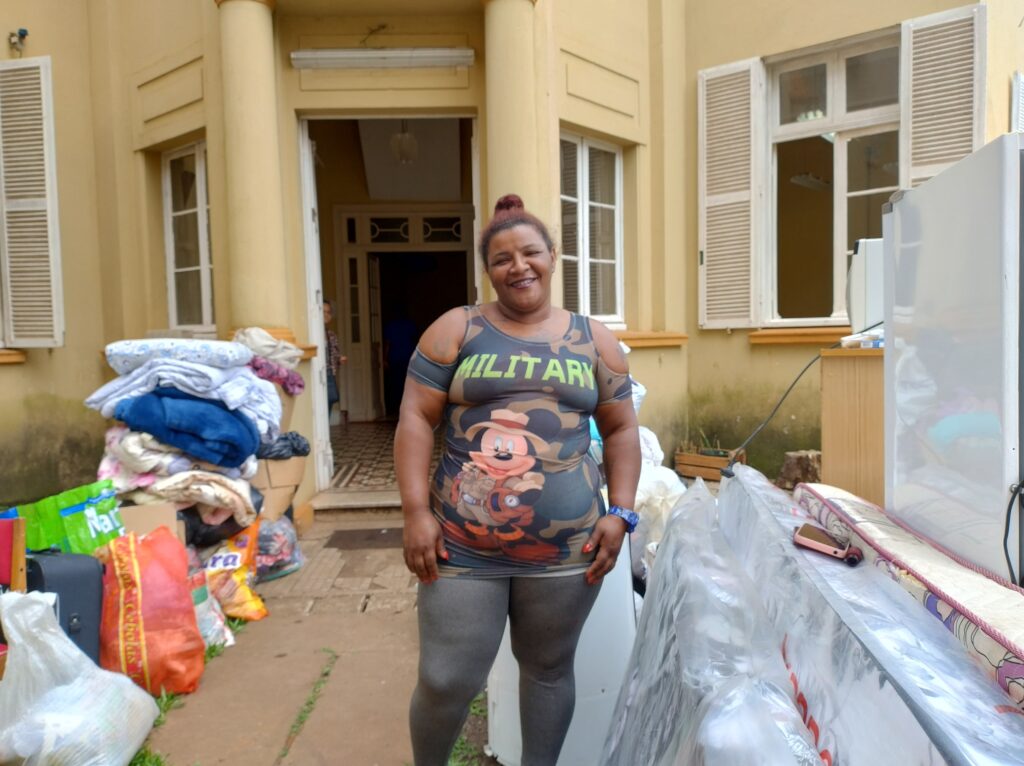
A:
56,705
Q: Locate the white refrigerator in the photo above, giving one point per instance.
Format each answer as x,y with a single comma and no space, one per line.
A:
952,359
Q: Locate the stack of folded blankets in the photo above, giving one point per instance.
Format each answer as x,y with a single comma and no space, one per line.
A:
195,414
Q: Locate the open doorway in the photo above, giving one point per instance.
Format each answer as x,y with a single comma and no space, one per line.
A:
394,198
415,289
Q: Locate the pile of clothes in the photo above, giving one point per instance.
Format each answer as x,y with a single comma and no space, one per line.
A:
195,414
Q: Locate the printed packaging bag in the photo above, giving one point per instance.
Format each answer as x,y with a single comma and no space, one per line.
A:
149,629
78,520
231,571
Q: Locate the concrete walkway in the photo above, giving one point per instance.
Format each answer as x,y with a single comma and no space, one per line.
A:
326,678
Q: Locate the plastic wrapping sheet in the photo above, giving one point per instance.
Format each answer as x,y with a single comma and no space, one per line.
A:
705,682
880,679
657,494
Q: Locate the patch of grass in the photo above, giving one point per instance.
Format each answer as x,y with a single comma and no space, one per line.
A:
146,757
213,650
236,624
478,707
166,702
464,754
310,703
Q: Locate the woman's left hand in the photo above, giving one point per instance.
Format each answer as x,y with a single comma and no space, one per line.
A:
607,538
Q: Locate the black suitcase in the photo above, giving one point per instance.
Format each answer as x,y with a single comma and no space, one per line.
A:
78,582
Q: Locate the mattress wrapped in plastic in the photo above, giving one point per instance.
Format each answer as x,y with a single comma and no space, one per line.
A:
834,664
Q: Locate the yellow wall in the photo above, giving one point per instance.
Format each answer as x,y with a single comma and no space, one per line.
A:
47,437
718,33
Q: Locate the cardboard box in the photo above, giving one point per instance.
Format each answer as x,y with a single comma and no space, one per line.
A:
278,480
142,519
276,501
279,473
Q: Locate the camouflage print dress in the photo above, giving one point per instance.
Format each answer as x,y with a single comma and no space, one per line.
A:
516,492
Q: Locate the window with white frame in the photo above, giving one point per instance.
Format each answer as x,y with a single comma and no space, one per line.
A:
835,134
798,154
591,260
187,239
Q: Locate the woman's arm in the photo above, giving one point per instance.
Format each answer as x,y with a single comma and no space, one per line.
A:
421,412
616,421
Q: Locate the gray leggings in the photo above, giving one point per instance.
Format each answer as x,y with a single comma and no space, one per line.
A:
461,623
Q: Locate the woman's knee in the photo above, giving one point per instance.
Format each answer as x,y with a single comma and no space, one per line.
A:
544,660
448,684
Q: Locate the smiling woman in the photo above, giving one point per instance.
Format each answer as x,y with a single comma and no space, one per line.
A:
512,523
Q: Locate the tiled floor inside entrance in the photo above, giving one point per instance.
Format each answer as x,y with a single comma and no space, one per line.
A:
364,457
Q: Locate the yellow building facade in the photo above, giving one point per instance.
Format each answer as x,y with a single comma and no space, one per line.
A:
221,164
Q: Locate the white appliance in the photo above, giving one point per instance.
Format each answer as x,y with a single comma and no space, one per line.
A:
864,304
601,660
952,359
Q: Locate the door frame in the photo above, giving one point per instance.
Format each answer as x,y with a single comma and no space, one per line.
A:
359,392
323,455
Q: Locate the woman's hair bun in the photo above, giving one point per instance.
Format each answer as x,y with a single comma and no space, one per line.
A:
508,202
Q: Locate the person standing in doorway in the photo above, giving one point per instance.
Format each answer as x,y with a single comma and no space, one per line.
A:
512,525
334,358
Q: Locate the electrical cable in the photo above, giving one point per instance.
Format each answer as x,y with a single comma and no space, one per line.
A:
1014,576
727,471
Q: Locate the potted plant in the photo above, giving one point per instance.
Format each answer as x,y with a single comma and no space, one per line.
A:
705,459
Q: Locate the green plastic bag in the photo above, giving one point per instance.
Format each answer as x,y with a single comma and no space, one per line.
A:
78,520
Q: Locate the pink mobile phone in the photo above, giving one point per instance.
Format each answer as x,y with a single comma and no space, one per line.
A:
817,539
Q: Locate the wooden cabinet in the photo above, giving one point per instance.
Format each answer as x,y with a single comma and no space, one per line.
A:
853,421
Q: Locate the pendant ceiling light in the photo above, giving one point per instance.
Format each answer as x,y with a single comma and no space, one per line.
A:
404,147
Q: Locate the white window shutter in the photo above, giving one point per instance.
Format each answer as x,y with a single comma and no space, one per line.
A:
1017,107
732,107
29,233
942,91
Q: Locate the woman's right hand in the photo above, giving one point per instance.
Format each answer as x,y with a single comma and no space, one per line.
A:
423,544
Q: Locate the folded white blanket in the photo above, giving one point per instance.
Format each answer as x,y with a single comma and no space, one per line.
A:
237,387
262,343
127,355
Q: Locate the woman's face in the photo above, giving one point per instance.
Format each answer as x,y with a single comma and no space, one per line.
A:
519,265
328,314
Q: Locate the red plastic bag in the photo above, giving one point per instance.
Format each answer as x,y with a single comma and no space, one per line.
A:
149,630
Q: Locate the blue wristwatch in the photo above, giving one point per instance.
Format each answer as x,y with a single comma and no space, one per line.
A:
632,518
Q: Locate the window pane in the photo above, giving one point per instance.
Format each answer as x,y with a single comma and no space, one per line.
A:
802,94
804,201
872,162
570,229
569,152
442,229
602,289
189,297
389,230
570,284
183,182
602,233
864,217
186,240
602,176
873,79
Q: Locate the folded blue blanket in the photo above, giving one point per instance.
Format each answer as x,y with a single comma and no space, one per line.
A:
201,427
